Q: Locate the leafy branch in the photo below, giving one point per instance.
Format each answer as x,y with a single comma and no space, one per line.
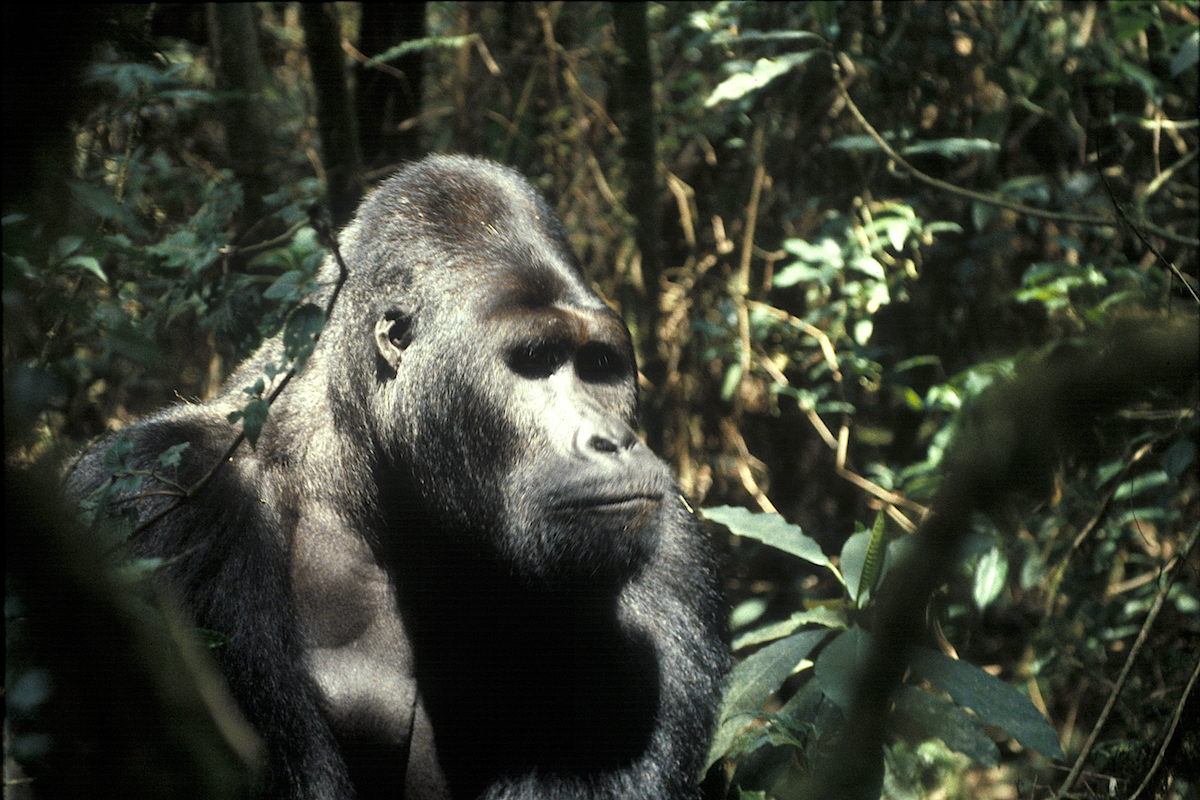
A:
992,200
320,223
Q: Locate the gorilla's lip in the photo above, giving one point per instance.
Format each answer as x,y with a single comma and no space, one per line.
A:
622,502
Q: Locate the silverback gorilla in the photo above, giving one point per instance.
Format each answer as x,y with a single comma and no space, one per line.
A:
449,569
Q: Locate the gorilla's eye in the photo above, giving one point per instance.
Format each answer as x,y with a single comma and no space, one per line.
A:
537,359
600,363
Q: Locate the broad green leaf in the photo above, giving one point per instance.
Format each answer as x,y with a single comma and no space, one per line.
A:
897,233
1178,456
771,529
286,286
138,569
65,246
733,377
301,332
920,715
87,263
838,665
172,455
993,700
851,560
869,266
752,681
747,612
210,638
1134,487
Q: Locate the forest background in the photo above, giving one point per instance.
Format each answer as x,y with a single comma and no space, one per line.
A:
848,238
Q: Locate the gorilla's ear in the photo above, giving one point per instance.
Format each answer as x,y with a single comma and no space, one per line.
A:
393,333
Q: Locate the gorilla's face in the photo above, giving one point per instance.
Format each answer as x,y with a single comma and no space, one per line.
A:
583,493
508,386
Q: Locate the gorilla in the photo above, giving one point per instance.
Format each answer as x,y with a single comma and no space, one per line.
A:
448,568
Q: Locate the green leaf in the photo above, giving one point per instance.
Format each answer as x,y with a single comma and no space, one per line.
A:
747,612
993,700
88,264
172,455
209,638
427,43
733,377
1187,56
751,682
764,71
838,665
784,37
254,415
826,617
861,143
286,286
951,147
117,455
1178,456
138,569
990,575
851,560
301,332
65,246
920,716
771,529
869,266
872,567
897,232
1134,487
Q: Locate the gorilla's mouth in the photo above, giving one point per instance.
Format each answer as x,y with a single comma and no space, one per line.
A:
611,504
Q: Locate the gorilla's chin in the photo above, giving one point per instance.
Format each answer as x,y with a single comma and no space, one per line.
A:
592,544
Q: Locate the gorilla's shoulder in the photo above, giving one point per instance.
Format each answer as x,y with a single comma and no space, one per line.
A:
142,446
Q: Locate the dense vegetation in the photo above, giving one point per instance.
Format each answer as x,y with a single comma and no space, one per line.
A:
862,247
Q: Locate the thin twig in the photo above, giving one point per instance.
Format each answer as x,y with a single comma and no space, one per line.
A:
742,281
1170,265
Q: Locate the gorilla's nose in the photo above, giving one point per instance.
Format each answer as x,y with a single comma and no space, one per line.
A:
603,439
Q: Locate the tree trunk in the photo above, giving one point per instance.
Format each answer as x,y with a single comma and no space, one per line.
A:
242,79
634,96
335,110
383,99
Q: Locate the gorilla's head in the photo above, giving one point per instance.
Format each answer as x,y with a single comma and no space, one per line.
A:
494,387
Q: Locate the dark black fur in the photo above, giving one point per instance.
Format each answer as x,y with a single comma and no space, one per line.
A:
449,565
